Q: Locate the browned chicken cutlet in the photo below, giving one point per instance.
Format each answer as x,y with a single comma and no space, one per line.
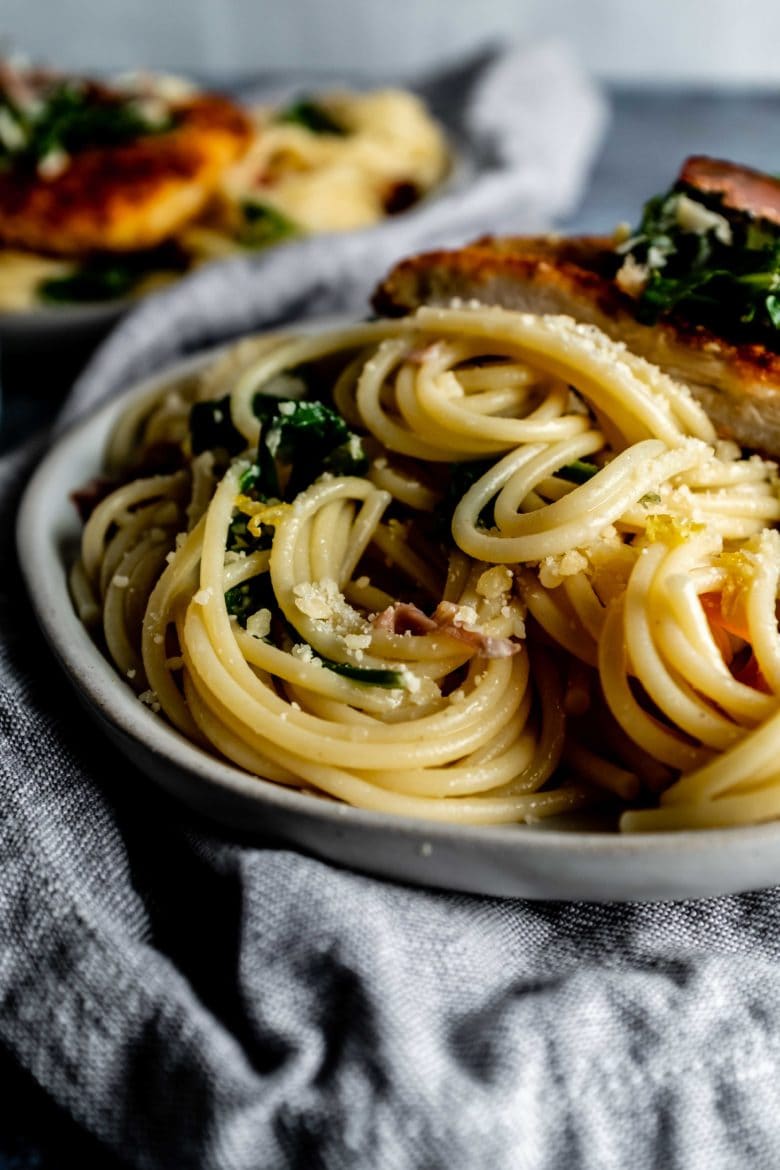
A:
737,383
125,196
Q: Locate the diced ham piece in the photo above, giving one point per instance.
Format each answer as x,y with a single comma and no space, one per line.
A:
486,645
403,617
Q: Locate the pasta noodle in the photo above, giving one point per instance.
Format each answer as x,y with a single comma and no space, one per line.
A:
386,153
472,565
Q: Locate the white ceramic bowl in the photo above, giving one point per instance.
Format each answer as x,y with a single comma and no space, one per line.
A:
548,860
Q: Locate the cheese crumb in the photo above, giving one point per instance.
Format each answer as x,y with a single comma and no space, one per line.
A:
411,681
694,217
121,581
149,699
304,652
357,641
259,623
632,277
495,581
465,615
317,599
552,570
203,596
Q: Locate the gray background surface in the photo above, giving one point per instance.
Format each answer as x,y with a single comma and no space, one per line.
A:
708,41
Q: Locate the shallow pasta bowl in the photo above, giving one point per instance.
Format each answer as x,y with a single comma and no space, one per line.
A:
553,859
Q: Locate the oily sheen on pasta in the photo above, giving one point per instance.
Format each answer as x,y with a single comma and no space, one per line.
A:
473,565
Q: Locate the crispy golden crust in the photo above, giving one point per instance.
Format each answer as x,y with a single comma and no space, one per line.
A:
130,196
739,385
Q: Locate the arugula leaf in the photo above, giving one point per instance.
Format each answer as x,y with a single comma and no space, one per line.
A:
312,116
723,276
580,471
308,437
462,477
370,675
264,225
375,676
90,282
245,599
240,539
107,277
773,309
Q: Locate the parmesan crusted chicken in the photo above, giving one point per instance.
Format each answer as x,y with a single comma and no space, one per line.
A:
693,290
85,169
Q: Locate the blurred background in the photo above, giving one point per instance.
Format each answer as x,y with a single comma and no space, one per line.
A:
689,41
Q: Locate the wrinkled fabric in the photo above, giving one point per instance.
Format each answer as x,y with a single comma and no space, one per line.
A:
197,1001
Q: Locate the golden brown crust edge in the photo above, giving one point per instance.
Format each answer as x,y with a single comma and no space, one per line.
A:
130,196
739,385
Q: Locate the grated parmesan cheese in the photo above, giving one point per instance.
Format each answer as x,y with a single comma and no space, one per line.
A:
495,581
150,700
357,641
259,623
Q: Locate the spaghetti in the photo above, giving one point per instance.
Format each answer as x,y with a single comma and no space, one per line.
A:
473,565
338,163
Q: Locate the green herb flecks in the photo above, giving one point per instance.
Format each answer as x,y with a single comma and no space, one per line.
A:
312,116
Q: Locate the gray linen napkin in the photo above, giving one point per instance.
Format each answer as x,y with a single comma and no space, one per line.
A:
194,1001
